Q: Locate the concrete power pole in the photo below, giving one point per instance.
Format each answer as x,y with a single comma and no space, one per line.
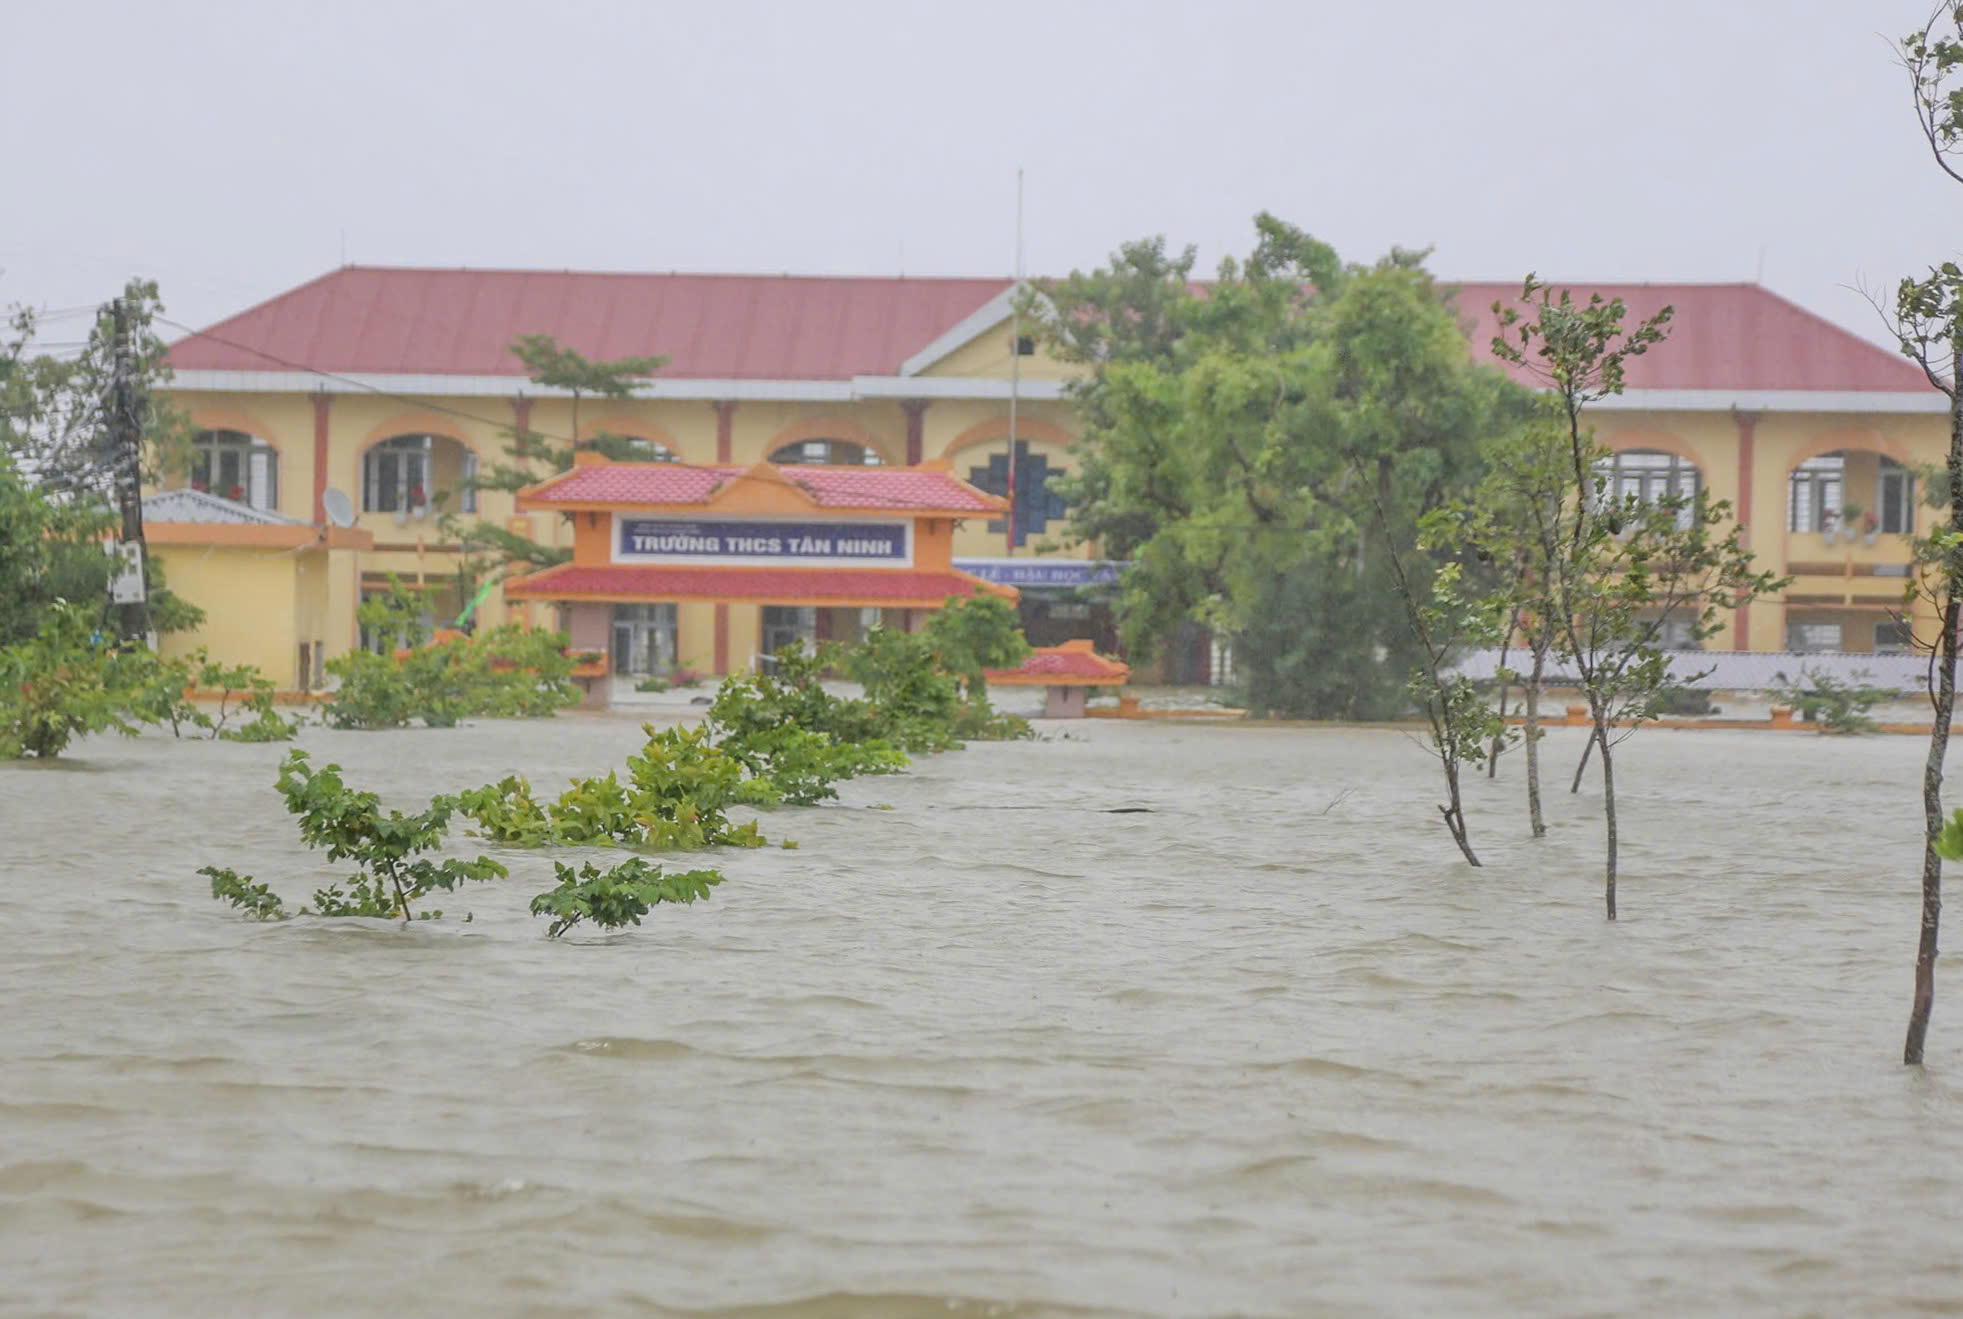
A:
127,406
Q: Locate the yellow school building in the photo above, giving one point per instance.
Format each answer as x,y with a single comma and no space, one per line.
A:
377,390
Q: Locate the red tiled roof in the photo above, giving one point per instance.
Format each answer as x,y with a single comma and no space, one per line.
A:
855,586
713,327
902,488
793,327
1722,336
1073,660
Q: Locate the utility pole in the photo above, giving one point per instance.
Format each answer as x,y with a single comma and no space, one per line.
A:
126,415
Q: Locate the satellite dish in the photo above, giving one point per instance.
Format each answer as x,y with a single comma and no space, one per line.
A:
338,507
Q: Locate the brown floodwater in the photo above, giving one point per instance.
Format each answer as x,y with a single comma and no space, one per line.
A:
1265,1049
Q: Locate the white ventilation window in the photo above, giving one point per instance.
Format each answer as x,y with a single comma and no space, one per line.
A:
827,453
1813,638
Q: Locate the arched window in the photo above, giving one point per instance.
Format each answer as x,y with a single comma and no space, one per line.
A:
827,453
233,465
406,473
1851,492
1814,494
1649,477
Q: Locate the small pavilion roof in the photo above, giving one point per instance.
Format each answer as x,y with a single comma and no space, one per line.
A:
1072,664
920,490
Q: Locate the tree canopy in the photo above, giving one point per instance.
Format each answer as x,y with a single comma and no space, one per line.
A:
1240,436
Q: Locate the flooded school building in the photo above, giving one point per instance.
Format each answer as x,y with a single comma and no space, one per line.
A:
822,453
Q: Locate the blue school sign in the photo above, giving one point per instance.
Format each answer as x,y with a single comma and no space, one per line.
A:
1042,572
670,540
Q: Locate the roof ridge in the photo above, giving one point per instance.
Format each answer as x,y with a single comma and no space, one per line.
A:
615,273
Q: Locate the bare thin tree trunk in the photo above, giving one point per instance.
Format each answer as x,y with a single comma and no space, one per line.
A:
1587,750
1499,739
1533,744
1455,813
1608,811
1932,770
1932,819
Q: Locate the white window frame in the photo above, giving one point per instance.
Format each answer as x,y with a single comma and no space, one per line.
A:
1816,491
409,457
1894,491
257,465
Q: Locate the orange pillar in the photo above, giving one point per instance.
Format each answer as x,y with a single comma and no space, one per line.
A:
322,402
1747,423
725,436
916,410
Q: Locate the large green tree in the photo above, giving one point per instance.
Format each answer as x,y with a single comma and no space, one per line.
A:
1259,447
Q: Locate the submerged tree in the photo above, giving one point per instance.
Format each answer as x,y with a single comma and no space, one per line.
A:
1928,322
1238,438
1509,524
1616,570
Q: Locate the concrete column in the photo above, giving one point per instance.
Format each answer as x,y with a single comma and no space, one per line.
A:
322,403
1747,423
722,640
916,410
591,628
725,431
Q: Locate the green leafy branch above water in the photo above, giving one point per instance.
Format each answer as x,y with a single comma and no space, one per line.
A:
616,897
676,798
388,846
394,873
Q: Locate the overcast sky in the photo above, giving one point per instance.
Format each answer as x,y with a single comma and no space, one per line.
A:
234,148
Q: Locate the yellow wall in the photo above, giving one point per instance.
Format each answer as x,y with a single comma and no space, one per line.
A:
986,356
1780,442
963,433
695,636
745,635
251,603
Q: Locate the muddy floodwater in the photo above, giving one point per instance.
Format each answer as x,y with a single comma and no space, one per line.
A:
984,1046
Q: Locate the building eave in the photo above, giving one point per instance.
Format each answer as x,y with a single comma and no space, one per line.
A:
1772,400
458,386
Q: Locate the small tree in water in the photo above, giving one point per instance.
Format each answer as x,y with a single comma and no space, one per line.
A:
1615,570
1928,322
1508,524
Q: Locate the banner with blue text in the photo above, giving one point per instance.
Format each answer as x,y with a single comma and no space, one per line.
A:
813,544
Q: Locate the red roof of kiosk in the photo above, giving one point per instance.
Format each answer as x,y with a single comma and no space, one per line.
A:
860,586
1074,663
903,489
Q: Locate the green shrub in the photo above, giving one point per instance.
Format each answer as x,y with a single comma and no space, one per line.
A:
1683,702
508,673
62,682
1838,707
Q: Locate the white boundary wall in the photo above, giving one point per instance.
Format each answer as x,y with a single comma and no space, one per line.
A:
1745,671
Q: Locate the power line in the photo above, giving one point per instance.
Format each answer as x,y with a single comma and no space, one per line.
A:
378,391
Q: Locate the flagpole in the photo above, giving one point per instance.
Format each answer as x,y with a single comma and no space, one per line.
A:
1015,365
